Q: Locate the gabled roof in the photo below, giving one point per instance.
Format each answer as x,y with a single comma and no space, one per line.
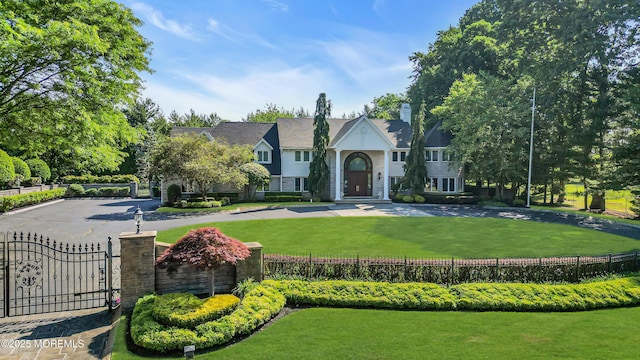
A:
298,133
436,137
346,129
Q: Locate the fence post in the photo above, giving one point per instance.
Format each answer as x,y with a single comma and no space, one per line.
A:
637,264
496,277
577,268
609,267
539,270
110,274
452,270
310,267
405,267
357,266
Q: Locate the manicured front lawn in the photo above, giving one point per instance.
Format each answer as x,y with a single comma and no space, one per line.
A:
418,237
321,333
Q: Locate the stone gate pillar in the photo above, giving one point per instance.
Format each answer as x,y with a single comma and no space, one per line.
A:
137,266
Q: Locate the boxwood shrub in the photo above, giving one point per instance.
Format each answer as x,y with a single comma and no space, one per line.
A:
264,301
188,311
283,196
256,308
15,201
360,294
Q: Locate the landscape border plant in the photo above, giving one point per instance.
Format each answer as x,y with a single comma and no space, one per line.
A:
187,310
15,201
264,301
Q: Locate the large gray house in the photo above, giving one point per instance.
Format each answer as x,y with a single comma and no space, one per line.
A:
365,156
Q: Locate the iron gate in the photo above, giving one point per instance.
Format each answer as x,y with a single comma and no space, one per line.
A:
42,276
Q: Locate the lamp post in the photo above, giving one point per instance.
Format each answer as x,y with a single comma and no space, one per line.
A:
533,114
137,217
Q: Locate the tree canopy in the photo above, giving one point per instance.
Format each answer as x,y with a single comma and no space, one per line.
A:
271,113
66,70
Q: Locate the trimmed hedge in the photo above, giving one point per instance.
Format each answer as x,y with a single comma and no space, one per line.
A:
283,196
537,297
184,204
264,301
188,311
40,169
7,170
415,296
15,201
104,179
21,168
76,190
256,308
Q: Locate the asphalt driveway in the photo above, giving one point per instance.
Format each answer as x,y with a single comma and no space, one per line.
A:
91,220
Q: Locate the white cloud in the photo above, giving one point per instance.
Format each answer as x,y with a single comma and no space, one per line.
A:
277,5
156,18
235,36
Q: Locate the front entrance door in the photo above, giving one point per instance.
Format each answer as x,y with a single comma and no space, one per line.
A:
357,183
358,178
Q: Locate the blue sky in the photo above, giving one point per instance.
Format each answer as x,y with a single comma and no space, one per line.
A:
234,56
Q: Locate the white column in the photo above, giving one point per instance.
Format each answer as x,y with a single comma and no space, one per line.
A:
338,181
386,175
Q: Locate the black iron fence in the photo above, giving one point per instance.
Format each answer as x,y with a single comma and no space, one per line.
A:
448,271
40,275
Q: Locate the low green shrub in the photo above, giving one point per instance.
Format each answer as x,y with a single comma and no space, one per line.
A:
188,311
398,197
104,179
418,199
21,168
519,203
91,192
283,196
174,193
155,191
40,169
74,190
225,201
257,307
539,297
15,201
32,181
198,204
407,199
360,294
7,170
114,191
263,301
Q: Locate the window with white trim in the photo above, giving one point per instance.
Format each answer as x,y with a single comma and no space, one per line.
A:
431,155
395,181
448,184
432,184
448,156
398,156
262,156
262,187
302,156
300,184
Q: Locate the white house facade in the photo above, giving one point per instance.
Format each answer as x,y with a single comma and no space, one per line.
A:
365,156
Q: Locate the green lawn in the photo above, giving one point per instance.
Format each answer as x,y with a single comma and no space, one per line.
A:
418,237
618,200
321,333
574,211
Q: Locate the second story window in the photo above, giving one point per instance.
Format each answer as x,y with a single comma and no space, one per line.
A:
262,157
302,156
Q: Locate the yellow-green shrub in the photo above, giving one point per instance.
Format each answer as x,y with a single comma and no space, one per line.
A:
188,311
419,296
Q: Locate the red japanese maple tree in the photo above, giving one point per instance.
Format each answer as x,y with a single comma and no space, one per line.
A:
205,248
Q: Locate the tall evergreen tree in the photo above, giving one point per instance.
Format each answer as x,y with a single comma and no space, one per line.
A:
415,169
318,169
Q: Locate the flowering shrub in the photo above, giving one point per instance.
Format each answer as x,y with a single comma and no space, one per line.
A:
204,248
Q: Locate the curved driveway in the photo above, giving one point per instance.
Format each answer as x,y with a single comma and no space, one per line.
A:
81,221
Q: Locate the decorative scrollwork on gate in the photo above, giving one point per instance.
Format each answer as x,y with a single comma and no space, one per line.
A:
29,274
